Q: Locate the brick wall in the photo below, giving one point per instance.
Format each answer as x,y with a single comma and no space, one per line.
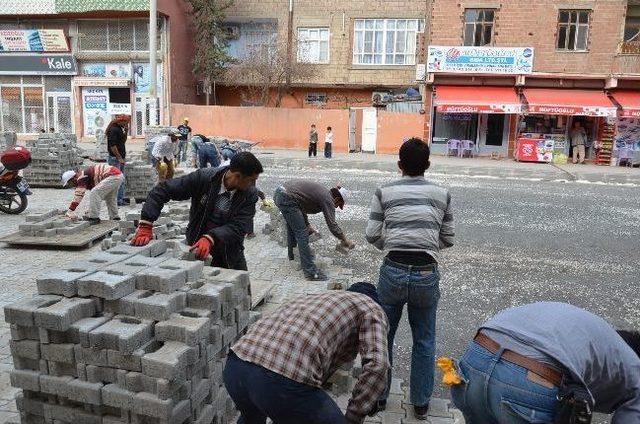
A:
339,16
533,23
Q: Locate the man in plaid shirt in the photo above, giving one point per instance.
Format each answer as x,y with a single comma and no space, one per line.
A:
278,368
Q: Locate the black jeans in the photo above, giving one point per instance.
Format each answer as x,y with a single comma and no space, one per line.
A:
313,149
259,393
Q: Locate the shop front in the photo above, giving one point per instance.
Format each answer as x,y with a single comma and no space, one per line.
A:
627,132
473,121
104,90
553,116
35,84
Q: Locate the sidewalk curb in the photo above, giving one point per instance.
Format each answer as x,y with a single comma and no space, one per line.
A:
572,177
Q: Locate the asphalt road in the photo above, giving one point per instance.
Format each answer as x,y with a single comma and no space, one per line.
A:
517,241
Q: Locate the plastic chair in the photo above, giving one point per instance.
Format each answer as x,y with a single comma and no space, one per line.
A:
453,145
468,147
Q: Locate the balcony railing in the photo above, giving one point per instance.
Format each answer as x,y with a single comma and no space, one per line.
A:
629,47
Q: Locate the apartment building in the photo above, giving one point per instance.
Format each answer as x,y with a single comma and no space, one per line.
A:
360,52
70,66
501,71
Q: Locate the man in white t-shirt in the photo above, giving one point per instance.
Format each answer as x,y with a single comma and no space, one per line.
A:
328,143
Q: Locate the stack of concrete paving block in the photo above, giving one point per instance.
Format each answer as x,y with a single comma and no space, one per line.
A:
50,224
7,140
130,335
165,228
52,154
141,178
100,154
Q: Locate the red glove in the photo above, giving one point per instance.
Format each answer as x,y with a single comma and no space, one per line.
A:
143,235
202,248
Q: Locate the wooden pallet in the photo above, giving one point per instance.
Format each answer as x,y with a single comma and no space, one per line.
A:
80,240
260,290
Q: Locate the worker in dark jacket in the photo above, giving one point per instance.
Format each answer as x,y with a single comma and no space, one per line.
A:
222,209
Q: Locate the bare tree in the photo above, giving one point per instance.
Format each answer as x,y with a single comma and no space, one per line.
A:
266,71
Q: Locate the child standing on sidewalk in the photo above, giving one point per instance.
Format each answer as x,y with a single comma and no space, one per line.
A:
328,143
313,141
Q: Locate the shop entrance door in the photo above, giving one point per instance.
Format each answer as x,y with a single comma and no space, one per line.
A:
59,112
492,133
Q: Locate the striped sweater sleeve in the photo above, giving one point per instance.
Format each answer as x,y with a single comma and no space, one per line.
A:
447,230
375,223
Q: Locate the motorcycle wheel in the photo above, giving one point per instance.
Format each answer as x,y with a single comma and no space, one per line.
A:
18,203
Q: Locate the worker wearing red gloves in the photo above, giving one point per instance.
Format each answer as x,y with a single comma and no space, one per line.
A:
222,208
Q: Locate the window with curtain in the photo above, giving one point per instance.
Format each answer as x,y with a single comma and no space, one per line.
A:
313,45
385,41
573,30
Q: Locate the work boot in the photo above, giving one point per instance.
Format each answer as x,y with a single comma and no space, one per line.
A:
92,221
421,412
117,218
318,276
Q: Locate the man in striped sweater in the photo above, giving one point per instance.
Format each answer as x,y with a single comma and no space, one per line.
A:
411,220
103,181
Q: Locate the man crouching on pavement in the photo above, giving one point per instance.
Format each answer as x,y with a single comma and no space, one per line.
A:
222,208
278,368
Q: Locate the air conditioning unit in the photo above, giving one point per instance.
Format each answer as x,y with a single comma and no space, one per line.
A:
380,98
233,32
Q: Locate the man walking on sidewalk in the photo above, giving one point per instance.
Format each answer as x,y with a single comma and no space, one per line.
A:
411,220
313,141
298,198
278,368
103,181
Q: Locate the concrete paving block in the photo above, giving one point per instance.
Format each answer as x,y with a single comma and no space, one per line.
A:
79,330
90,356
194,269
30,406
106,286
439,408
206,296
22,312
61,314
124,361
391,417
19,332
97,374
25,348
117,397
180,327
84,391
69,414
161,279
229,334
122,333
61,282
200,392
58,353
206,416
25,379
155,248
242,318
21,363
152,406
61,369
126,305
54,385
159,306
169,361
235,277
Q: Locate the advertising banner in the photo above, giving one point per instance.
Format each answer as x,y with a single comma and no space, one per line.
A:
94,108
534,150
142,78
38,65
119,108
31,40
111,70
480,60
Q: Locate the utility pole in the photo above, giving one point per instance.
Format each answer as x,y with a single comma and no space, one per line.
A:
289,44
153,62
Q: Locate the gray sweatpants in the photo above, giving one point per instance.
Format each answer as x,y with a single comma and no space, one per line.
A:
106,190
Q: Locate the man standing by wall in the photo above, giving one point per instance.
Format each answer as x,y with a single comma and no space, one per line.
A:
116,134
185,132
313,141
578,142
411,219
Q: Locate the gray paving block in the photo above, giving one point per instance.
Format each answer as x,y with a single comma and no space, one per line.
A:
161,279
19,332
54,385
97,374
60,369
117,397
206,416
69,414
30,406
62,314
194,269
159,306
439,408
181,328
235,277
29,349
22,312
126,305
134,265
84,391
122,333
90,356
60,281
105,285
79,330
169,361
206,296
25,379
152,406
154,248
58,353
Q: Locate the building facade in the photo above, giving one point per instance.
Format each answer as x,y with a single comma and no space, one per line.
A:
103,51
500,74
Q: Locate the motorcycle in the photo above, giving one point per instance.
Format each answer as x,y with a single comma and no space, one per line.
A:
14,190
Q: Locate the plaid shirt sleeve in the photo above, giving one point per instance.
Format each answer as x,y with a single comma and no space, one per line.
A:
375,366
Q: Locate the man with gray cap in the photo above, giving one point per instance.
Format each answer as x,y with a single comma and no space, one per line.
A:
298,198
163,152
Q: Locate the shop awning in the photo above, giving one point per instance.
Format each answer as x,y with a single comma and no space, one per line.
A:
569,102
470,99
630,102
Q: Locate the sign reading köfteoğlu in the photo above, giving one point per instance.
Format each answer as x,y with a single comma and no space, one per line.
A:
38,64
483,60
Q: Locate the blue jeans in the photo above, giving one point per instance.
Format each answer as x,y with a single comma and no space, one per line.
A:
296,230
327,150
182,151
113,161
495,391
259,393
418,287
208,156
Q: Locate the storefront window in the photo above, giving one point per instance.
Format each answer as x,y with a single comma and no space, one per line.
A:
460,126
33,109
11,105
115,35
